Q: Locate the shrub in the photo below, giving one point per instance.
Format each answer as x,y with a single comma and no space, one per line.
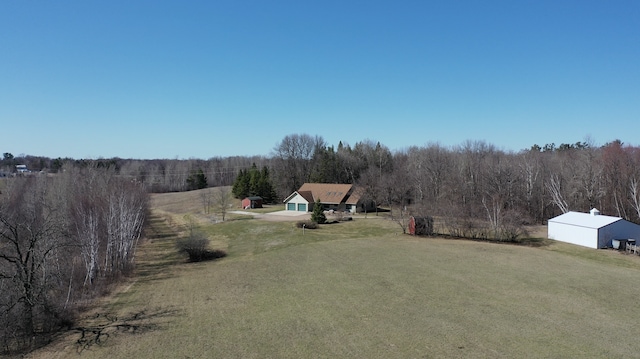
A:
196,246
512,227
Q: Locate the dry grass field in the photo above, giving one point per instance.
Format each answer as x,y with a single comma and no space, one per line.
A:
360,290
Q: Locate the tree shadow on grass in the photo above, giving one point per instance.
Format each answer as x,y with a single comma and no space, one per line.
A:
525,242
102,327
535,242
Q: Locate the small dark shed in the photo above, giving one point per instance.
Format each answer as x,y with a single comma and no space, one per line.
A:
420,226
252,202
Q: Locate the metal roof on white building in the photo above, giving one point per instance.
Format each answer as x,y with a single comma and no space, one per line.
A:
587,220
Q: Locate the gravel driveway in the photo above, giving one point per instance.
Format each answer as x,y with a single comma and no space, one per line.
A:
280,216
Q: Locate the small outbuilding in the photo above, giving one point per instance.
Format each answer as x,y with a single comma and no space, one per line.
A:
252,202
591,229
420,226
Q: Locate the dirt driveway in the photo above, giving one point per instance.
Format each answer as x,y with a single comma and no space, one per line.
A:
280,216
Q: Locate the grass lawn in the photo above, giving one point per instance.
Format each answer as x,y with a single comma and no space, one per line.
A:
360,290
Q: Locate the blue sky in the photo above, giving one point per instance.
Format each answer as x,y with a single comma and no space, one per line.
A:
200,79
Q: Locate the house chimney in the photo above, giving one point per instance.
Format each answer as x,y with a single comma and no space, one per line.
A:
594,212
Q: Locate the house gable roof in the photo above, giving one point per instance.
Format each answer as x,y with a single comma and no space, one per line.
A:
307,195
356,195
329,193
585,220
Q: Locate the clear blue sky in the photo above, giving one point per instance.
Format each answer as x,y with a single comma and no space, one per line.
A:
199,79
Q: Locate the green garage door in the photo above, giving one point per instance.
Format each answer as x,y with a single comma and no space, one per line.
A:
291,206
302,207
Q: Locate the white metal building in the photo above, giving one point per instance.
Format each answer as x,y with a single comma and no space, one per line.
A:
591,229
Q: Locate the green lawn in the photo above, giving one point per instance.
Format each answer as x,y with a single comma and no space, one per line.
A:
361,290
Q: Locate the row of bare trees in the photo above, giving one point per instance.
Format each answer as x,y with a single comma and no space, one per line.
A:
530,186
158,175
173,175
63,239
461,181
479,189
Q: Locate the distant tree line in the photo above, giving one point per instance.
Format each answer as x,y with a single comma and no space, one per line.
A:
63,239
476,189
158,175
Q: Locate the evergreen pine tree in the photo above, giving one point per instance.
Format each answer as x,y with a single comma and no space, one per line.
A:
254,180
267,192
241,185
235,189
197,180
318,213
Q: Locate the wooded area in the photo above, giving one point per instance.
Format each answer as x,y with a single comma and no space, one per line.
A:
63,240
474,180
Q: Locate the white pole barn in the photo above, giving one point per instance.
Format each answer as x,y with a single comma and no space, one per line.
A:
591,229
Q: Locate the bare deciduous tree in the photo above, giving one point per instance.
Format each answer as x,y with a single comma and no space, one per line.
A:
32,241
531,170
222,201
634,189
555,188
293,157
396,192
126,215
206,198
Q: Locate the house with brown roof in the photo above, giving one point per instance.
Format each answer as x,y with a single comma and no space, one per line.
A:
332,196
